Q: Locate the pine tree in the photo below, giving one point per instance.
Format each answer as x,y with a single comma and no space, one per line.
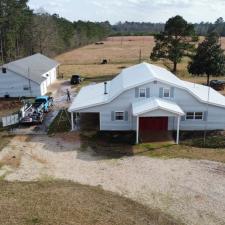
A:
174,42
209,58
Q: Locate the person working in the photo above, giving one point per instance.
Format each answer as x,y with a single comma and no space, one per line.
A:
68,95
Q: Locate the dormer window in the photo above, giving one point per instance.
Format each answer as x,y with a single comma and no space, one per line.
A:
166,92
142,92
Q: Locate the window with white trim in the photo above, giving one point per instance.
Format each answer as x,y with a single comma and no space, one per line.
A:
166,92
119,116
199,115
194,116
142,92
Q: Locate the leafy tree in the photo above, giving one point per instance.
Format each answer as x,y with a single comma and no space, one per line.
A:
174,42
209,58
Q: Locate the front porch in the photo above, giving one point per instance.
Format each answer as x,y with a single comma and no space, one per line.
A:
152,119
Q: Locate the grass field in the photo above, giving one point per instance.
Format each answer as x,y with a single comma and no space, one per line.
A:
61,202
180,151
121,52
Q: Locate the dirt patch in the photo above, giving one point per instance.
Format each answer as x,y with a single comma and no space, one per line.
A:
72,137
191,191
12,160
38,203
4,139
8,107
22,138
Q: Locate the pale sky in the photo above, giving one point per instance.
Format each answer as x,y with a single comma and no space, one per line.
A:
133,10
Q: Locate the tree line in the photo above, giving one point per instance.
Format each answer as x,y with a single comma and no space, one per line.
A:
143,28
24,32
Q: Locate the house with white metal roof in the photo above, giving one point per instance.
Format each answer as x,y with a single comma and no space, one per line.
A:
28,77
148,98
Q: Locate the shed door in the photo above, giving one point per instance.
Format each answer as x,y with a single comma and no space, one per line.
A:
153,123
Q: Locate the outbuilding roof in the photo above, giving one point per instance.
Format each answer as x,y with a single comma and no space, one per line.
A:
135,76
32,67
152,104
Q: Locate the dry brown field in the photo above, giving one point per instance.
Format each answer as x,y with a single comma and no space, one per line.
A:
38,203
120,52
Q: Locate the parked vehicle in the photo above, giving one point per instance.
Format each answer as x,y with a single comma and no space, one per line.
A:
34,113
218,85
75,79
45,100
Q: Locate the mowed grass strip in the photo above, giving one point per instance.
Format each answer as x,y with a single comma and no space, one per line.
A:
180,151
58,203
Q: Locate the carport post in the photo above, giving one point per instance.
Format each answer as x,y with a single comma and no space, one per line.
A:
72,122
137,131
178,130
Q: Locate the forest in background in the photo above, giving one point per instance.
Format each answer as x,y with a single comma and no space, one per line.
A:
142,28
24,32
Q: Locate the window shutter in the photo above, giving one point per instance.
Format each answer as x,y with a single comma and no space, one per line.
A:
136,92
183,118
112,115
172,92
205,116
161,92
126,116
147,92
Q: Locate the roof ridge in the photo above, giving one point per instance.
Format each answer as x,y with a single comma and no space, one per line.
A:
149,66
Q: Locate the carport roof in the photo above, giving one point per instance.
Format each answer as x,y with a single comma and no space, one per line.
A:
152,104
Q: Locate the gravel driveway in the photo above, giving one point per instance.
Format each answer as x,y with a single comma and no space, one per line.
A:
193,191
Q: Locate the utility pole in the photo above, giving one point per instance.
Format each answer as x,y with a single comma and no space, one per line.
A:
1,43
140,56
29,82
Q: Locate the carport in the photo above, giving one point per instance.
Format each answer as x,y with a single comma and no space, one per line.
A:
85,121
153,114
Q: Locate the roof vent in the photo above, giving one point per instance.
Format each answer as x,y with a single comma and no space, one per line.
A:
105,84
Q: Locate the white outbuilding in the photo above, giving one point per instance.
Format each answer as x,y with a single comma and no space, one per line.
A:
28,77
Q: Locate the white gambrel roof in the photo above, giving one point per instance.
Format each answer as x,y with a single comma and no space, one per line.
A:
137,75
152,104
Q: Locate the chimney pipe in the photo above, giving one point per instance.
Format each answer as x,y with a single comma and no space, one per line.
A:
105,84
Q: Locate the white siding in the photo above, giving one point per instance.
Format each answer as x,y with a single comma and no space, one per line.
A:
13,84
50,76
216,116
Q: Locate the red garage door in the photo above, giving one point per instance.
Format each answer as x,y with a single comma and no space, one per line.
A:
153,123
